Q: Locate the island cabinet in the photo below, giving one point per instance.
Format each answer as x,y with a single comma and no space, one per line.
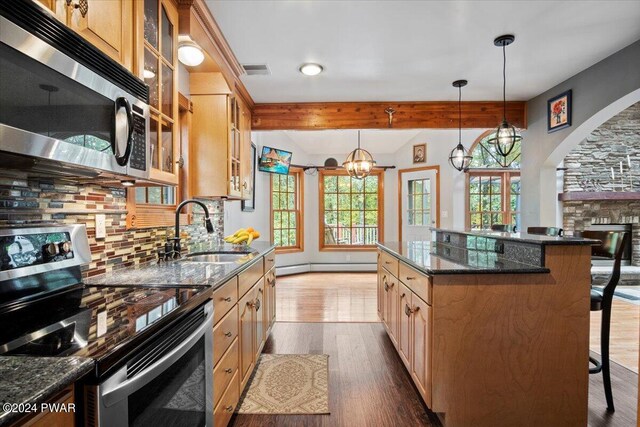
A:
108,25
241,328
220,148
489,340
63,418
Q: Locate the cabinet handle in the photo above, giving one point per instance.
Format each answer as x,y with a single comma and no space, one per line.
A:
388,262
386,287
260,290
83,6
411,278
403,294
228,334
245,185
227,299
229,408
407,310
228,370
257,304
391,285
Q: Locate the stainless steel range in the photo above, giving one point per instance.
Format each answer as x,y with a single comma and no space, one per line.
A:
152,346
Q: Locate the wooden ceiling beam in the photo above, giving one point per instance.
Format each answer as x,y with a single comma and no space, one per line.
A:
372,115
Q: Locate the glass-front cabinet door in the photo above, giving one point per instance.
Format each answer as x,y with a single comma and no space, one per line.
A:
158,66
235,143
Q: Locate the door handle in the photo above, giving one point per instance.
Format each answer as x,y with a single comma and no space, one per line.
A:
122,158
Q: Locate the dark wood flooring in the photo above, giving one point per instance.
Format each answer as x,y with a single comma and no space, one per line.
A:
369,386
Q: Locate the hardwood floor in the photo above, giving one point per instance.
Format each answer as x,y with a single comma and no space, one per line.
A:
369,386
327,297
625,333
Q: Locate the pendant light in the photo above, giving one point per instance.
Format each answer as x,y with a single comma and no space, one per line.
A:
506,135
460,157
359,162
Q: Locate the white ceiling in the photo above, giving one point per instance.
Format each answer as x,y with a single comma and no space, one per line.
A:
412,50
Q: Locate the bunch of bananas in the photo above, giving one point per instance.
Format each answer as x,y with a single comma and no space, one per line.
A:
243,235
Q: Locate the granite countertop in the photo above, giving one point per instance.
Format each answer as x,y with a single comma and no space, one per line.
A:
32,380
182,272
438,258
522,237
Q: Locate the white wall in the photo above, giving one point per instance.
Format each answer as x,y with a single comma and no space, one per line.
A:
599,93
439,144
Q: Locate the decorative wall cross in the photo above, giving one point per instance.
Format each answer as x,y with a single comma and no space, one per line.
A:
390,112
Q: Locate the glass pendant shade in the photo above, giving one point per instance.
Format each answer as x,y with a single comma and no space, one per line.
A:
359,163
505,138
460,158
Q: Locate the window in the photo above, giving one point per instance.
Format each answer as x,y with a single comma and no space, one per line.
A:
419,203
287,201
493,186
351,210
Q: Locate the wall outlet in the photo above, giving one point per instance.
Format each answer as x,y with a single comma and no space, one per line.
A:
102,323
101,226
445,214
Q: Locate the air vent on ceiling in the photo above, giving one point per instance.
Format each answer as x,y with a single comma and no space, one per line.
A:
257,69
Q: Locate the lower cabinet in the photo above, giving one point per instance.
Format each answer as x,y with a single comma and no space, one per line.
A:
408,321
240,332
53,419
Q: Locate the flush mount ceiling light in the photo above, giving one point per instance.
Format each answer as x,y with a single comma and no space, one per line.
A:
359,163
506,135
311,69
460,157
189,53
128,182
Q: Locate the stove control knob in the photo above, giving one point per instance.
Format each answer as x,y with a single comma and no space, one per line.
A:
65,247
51,249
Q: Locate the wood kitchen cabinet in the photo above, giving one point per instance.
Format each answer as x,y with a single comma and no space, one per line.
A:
260,324
391,307
247,322
108,25
404,326
53,419
420,346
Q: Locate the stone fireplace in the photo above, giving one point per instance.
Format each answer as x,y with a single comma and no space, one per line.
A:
594,190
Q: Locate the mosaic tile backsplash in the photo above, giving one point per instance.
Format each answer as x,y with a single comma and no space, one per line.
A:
26,201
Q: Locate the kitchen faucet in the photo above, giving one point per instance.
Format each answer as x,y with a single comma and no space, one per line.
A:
175,251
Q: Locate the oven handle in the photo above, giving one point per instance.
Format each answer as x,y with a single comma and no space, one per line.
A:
130,386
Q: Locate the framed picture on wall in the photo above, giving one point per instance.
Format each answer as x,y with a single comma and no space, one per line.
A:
420,153
559,112
249,205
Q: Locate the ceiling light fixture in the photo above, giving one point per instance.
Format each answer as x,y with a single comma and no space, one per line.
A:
506,135
311,69
359,163
460,157
189,53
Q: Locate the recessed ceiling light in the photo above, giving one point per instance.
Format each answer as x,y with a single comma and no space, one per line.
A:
311,69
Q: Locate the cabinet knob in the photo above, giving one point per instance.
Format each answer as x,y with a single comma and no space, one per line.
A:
228,370
257,304
228,334
227,299
386,287
411,278
229,408
388,262
245,185
407,310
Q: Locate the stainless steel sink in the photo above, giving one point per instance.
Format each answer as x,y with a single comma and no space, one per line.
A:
219,258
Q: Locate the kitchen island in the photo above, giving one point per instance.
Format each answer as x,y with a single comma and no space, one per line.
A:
493,327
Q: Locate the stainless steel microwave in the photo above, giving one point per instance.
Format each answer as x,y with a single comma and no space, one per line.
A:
65,107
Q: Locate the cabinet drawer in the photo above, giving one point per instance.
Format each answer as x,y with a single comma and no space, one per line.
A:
223,412
249,277
224,371
419,283
224,333
224,298
269,261
389,262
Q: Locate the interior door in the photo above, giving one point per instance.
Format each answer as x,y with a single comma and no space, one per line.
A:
419,208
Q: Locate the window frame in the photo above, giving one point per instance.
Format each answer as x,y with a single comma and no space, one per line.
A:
321,227
298,174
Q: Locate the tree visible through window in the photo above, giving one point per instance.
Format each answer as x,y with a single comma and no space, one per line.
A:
350,210
493,186
286,210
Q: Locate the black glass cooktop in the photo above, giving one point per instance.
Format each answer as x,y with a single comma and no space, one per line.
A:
102,322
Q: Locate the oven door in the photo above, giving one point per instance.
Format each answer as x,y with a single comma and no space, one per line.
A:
168,384
55,111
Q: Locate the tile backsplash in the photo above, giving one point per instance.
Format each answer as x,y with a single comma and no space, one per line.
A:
34,201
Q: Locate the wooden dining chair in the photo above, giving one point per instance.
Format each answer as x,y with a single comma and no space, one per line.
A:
545,231
612,247
507,228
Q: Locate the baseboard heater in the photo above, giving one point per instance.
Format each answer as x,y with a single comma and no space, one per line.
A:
326,267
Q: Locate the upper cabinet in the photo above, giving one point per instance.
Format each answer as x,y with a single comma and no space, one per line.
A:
220,147
108,25
157,65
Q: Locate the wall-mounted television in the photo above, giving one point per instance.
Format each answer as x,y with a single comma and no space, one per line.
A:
274,160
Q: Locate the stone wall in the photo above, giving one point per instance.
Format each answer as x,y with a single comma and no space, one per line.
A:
26,201
589,165
580,215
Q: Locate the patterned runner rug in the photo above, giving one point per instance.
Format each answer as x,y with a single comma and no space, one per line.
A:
288,384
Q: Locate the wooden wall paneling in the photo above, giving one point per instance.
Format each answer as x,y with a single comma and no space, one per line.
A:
520,342
371,115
